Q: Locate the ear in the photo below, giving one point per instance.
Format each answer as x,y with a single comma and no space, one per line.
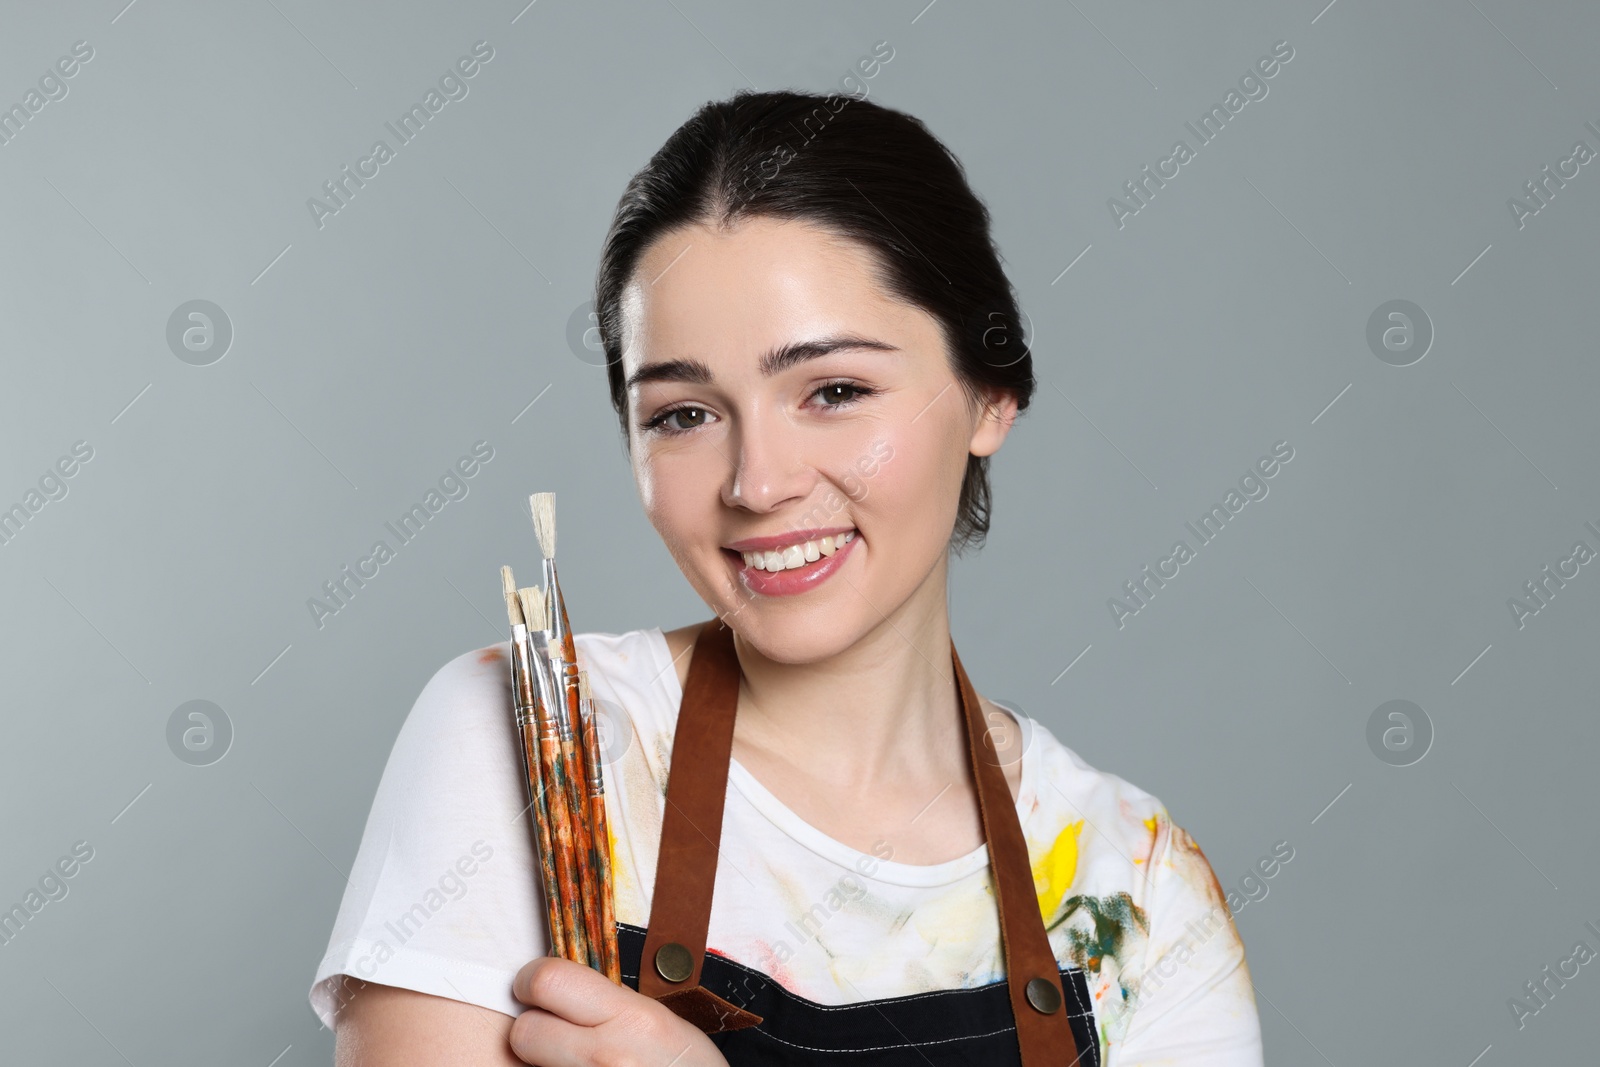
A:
995,418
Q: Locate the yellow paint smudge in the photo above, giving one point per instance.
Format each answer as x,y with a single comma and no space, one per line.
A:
1054,871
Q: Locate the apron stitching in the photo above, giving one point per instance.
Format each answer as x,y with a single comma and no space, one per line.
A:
1082,1013
882,1048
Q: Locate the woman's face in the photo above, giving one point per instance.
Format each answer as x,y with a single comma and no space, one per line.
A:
776,396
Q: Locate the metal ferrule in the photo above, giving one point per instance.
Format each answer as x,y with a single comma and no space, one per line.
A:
546,667
522,677
593,775
555,606
562,644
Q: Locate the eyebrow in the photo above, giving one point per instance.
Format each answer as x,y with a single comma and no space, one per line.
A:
695,372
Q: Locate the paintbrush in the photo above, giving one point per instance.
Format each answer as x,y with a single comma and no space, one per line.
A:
600,832
564,662
563,797
523,683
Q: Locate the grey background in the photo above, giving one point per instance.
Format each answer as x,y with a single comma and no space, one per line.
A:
1230,313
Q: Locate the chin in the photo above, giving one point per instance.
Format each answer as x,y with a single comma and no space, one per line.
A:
795,637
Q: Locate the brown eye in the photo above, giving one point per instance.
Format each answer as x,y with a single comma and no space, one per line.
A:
837,393
674,421
692,417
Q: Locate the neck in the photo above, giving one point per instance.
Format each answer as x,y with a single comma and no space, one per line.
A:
885,711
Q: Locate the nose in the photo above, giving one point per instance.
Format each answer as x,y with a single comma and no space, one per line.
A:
768,466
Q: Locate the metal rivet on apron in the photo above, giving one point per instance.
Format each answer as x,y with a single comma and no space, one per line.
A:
1042,993
673,962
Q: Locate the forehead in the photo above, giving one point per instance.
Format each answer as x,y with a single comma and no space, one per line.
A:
708,293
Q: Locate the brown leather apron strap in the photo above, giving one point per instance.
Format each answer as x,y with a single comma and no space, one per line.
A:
1032,975
691,828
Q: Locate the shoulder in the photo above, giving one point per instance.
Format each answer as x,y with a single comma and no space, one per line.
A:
1116,828
1124,839
485,672
469,696
1073,780
461,711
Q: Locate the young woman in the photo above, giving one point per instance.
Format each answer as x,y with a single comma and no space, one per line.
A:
813,350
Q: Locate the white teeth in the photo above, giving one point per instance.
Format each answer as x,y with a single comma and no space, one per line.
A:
797,555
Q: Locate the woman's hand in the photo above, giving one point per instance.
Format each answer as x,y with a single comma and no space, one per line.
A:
578,1017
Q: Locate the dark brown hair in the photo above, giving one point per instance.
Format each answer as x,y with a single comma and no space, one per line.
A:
862,171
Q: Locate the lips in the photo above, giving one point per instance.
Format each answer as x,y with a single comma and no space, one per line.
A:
790,581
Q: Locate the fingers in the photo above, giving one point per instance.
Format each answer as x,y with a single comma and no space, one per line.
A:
576,993
546,1040
578,1017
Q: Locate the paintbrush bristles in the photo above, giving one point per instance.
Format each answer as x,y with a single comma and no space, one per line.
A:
583,686
508,589
543,506
533,607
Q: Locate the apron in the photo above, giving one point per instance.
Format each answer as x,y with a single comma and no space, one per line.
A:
1040,1013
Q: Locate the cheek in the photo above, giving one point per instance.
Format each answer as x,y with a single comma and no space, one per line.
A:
908,476
645,479
677,489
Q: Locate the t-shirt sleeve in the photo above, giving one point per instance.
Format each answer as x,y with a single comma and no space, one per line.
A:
441,897
1196,1004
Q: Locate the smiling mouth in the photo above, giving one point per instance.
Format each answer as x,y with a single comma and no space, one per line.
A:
792,557
792,569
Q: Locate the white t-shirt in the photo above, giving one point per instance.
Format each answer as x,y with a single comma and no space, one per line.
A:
445,896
